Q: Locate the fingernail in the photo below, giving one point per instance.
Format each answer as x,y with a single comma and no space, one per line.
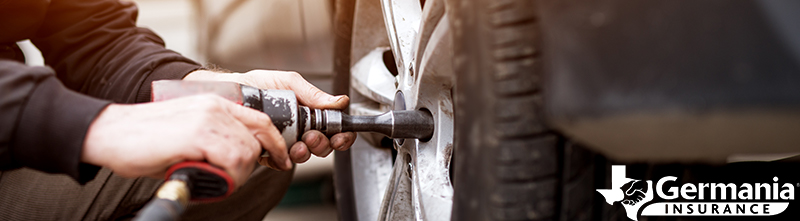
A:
341,147
288,164
336,98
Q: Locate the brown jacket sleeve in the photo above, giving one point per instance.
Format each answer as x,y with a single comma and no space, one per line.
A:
94,48
42,123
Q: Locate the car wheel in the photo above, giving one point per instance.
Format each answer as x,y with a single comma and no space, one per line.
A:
474,66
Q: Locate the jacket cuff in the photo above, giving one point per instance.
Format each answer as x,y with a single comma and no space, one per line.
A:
172,71
52,128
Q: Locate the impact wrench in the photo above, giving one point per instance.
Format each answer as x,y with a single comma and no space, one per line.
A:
202,182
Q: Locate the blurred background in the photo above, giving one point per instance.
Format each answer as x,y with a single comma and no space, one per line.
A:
241,35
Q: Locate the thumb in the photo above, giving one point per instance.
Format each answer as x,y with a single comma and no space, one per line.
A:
310,95
315,98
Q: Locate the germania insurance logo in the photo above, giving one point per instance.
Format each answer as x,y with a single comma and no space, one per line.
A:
712,199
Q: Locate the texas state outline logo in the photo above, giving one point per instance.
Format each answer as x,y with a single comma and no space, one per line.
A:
746,199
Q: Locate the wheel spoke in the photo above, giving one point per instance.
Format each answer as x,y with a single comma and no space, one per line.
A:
431,16
398,201
402,19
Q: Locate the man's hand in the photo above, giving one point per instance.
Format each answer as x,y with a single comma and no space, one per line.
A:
145,139
307,94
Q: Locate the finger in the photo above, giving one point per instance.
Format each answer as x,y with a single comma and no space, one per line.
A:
265,132
239,164
343,141
234,153
350,139
251,118
276,146
337,141
310,95
267,162
317,143
264,161
233,146
299,152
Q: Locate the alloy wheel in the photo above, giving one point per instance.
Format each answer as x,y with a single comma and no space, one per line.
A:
411,179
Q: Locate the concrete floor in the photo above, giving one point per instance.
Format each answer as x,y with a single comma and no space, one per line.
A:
173,21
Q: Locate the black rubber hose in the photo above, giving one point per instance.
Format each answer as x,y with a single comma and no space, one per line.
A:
160,210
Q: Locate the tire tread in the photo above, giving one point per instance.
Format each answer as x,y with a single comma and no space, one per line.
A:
522,192
537,176
530,174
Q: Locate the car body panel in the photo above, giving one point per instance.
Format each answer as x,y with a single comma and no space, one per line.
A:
670,80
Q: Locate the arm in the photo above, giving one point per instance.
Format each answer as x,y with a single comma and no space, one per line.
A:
96,49
42,123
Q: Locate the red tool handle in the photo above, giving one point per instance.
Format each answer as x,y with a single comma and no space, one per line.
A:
207,183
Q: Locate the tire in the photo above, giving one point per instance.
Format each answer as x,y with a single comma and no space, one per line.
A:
508,164
343,175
